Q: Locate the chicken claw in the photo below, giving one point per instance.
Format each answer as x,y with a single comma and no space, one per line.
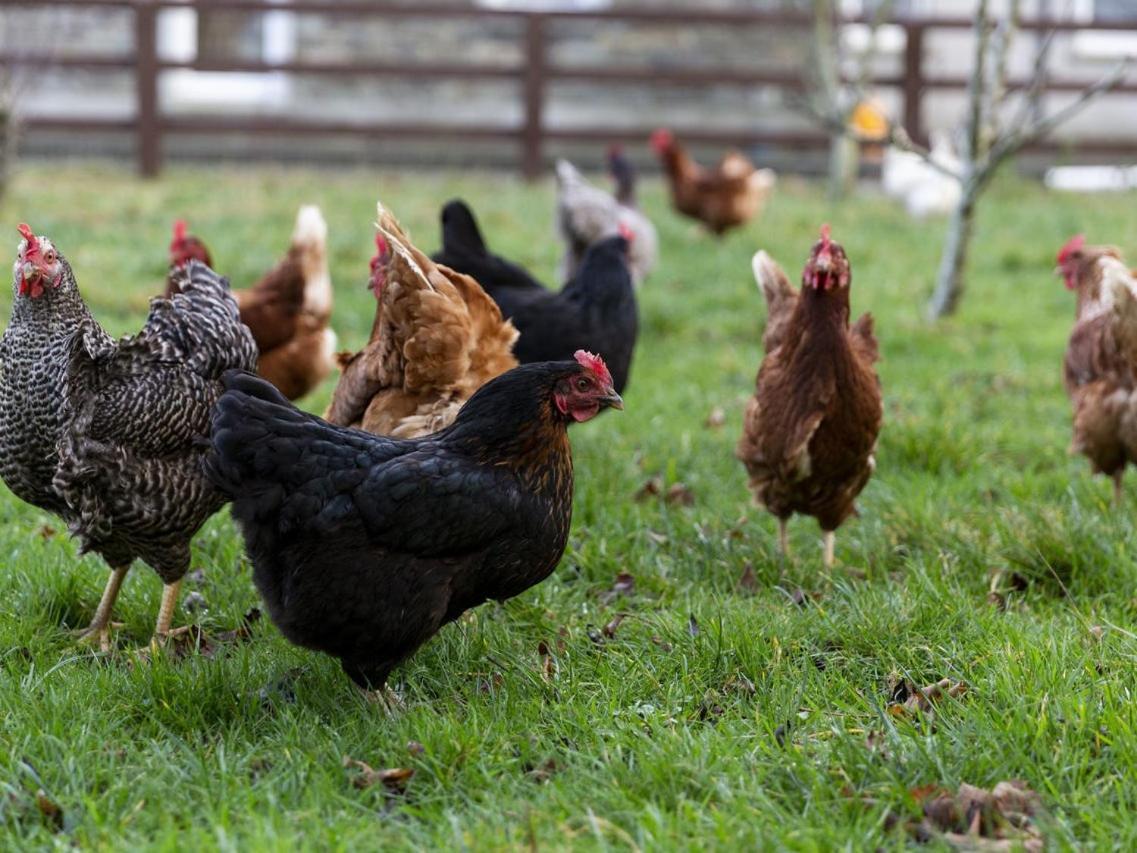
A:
101,622
829,539
387,699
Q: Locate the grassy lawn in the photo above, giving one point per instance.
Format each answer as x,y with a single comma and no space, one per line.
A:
731,706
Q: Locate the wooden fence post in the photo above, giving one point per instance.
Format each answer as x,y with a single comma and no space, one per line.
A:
148,130
533,131
914,80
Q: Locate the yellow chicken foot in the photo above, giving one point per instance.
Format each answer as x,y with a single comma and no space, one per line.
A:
784,538
166,611
99,629
829,539
1117,495
387,699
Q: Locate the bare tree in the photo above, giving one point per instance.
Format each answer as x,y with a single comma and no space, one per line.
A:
992,133
990,141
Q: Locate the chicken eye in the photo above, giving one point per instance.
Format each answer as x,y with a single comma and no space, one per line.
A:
582,384
49,256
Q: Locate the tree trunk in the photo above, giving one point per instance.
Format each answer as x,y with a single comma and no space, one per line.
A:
953,262
844,164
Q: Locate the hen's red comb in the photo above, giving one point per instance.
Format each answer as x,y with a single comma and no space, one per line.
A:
381,251
594,363
1074,244
33,244
179,230
626,232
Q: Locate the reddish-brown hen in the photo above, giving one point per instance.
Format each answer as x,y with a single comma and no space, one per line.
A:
437,338
288,310
722,198
810,431
1101,357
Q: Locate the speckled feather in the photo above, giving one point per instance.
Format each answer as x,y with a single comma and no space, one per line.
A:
102,432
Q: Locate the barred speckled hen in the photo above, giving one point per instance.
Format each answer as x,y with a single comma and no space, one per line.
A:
364,546
104,433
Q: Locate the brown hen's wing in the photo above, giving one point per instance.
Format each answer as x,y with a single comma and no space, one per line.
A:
781,298
271,307
863,339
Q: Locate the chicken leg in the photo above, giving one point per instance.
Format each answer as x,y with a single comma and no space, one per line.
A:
1118,497
99,629
829,538
784,538
166,610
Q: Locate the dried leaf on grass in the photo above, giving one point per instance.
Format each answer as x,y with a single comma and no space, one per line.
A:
748,583
677,494
977,819
46,531
548,665
653,487
908,700
625,585
716,418
543,772
52,812
680,494
393,779
613,625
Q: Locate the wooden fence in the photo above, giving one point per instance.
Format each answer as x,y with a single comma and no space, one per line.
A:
150,124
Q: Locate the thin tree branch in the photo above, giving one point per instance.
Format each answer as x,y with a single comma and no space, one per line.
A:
1013,142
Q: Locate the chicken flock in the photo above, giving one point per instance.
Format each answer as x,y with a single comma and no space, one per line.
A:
440,475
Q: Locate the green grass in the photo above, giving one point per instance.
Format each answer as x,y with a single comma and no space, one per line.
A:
652,738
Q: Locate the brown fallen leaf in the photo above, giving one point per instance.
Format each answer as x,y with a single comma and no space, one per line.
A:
393,779
415,748
908,700
490,684
679,494
46,531
716,418
748,583
977,819
653,487
548,665
51,811
543,772
612,626
659,641
625,585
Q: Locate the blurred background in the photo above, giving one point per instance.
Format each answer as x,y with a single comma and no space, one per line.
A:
513,84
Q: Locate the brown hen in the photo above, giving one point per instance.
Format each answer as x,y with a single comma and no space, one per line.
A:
1101,357
288,310
437,337
722,198
810,431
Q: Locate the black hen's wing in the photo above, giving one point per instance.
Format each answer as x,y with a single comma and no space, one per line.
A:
293,475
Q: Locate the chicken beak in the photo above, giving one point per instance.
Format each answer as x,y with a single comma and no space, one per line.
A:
611,399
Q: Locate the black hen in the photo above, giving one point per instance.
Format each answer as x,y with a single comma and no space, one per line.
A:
595,311
464,249
364,546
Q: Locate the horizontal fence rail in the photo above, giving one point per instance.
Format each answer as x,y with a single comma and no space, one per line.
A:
534,73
